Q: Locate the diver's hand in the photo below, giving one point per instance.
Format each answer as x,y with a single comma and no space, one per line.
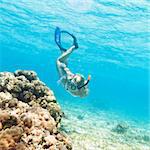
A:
60,80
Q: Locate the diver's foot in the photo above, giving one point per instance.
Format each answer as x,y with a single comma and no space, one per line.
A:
76,45
75,42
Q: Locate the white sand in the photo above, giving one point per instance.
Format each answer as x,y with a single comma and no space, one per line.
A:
93,130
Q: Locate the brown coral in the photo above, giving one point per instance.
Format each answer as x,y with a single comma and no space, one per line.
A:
27,122
29,114
10,137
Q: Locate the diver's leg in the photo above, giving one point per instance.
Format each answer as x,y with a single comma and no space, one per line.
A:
65,61
66,54
62,61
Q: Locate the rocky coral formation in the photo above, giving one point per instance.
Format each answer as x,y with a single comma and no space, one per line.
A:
121,128
29,114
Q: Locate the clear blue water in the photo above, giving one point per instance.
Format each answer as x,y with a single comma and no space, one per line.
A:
113,48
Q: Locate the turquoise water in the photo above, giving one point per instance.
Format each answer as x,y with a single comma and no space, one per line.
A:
113,48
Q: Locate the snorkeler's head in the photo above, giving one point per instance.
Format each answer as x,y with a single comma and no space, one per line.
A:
78,85
79,80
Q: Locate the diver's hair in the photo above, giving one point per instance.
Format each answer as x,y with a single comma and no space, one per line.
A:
82,79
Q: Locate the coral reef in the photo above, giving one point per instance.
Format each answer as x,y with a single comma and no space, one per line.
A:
29,114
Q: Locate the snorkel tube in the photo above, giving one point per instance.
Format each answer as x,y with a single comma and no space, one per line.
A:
88,80
58,39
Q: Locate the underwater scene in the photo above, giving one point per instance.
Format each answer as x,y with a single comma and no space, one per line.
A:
74,75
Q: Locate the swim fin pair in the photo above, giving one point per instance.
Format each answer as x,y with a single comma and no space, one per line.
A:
58,39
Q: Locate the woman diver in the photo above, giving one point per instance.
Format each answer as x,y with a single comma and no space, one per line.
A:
75,84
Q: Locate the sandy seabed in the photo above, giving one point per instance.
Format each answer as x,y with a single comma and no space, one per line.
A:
104,130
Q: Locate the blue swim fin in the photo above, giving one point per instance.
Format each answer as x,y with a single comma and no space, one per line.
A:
58,38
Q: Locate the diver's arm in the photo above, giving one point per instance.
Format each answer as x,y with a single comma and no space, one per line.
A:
61,79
